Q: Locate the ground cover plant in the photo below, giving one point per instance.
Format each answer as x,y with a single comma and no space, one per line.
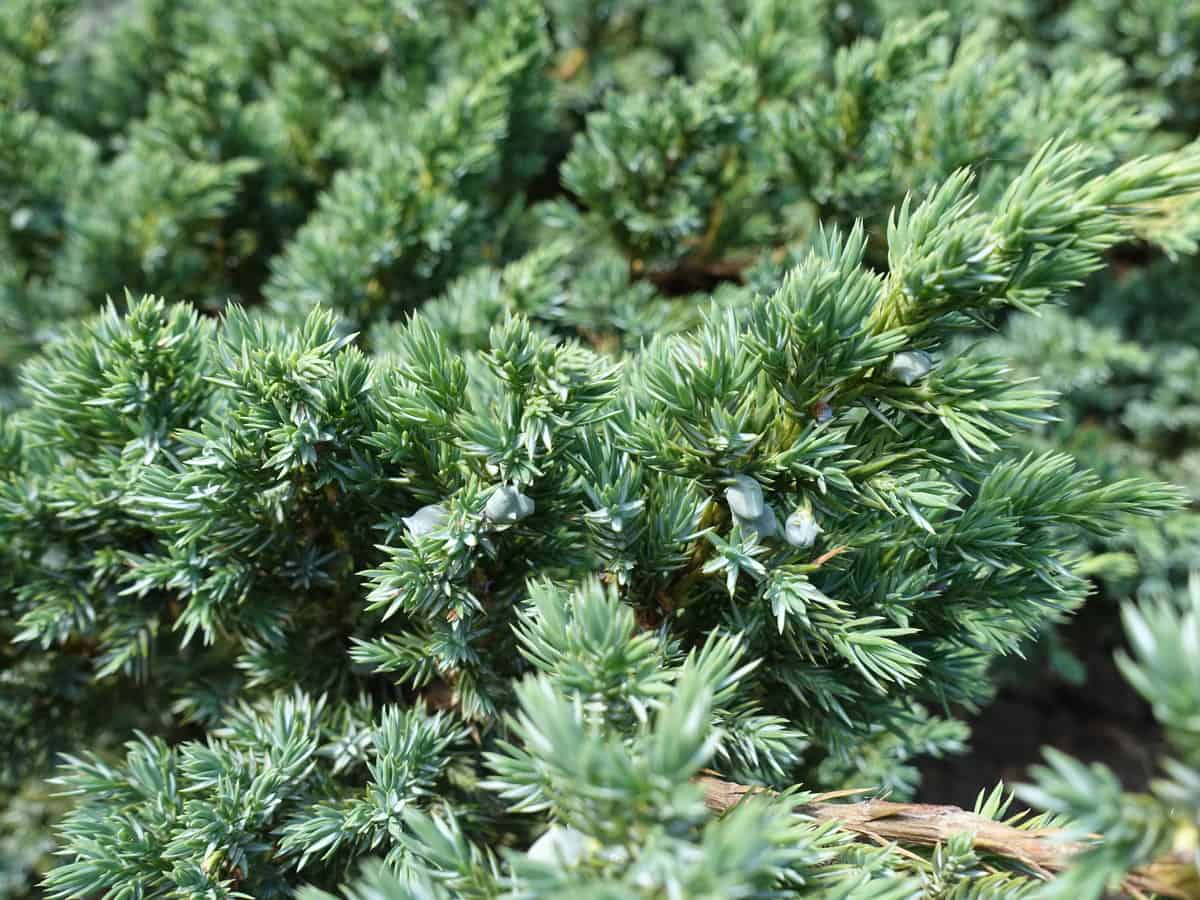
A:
553,449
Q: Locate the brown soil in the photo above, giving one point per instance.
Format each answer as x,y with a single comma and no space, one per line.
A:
1103,720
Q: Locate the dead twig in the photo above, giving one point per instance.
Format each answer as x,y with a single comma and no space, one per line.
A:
694,275
1044,851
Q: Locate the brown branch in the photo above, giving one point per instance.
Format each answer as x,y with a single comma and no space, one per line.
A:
1044,850
694,275
570,64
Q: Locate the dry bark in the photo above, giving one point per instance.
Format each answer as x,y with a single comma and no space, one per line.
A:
1043,851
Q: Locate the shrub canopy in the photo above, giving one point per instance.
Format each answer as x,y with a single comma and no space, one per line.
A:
440,439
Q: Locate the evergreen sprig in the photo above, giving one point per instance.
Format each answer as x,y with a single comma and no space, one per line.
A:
556,405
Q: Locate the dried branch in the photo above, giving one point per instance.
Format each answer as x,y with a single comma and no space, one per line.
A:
1044,851
694,275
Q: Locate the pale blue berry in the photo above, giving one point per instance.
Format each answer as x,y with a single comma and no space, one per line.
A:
767,524
426,519
508,505
801,528
745,498
560,845
910,366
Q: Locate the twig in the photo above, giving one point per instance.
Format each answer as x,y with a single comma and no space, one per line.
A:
1043,850
695,275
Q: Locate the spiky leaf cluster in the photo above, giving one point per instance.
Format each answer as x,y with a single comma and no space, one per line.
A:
553,404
